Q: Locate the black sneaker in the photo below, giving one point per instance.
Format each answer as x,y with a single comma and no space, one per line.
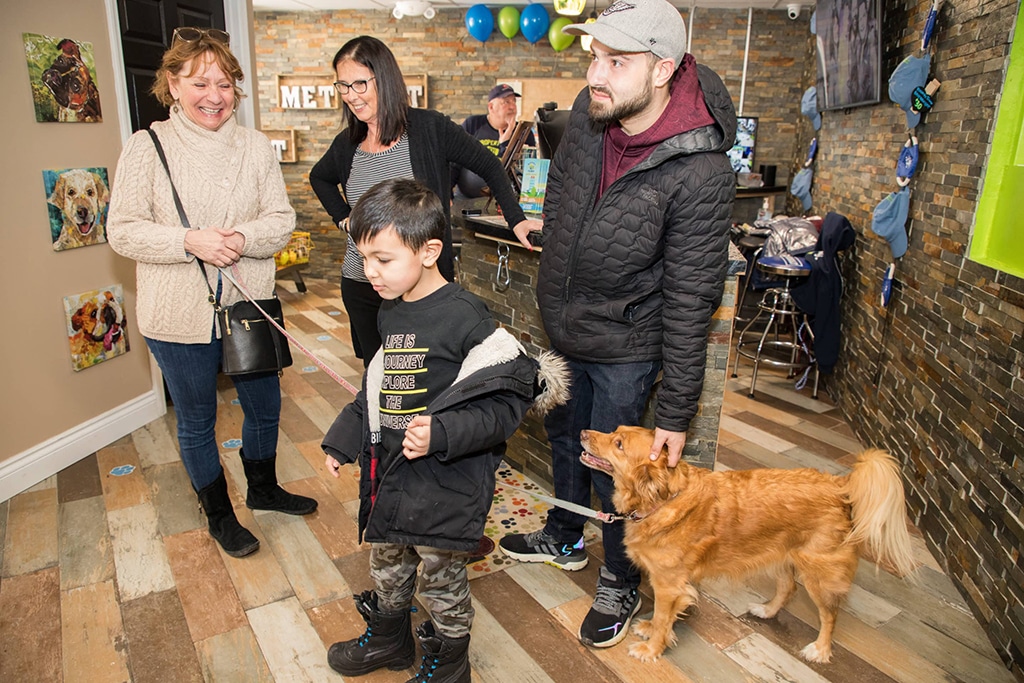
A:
607,622
541,546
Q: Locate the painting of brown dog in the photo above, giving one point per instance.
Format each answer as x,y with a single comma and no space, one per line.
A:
687,524
78,199
63,78
96,326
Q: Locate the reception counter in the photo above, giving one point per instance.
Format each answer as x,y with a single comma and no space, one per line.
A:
498,269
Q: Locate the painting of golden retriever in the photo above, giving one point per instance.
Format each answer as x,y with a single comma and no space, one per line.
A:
62,72
687,524
96,326
77,199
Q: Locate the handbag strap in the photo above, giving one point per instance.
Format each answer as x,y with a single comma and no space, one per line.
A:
181,214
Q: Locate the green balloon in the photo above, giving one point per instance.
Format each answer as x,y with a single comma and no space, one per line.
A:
508,21
560,40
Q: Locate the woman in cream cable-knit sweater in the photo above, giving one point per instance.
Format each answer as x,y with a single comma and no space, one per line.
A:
234,196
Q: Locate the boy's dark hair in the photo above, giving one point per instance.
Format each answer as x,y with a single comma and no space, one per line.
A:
392,98
409,206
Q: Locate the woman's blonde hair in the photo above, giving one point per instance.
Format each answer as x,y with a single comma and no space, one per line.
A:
182,52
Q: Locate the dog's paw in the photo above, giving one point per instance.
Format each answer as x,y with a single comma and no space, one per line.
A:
812,654
759,610
642,628
645,652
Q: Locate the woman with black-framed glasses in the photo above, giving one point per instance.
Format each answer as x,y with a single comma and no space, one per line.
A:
233,195
383,138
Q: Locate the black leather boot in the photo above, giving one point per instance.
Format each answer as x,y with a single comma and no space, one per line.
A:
265,494
387,641
445,660
236,540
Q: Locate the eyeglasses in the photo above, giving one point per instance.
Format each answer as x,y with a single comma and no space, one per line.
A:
359,87
190,34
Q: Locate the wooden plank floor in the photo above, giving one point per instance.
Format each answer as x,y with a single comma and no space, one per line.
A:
107,573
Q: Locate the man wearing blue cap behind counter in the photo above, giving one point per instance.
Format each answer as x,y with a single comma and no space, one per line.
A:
493,130
636,223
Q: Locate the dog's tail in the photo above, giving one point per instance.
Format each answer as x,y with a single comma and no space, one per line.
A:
875,492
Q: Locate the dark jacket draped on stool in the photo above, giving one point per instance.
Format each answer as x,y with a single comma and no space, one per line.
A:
818,296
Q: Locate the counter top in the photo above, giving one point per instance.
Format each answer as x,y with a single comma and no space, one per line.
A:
494,227
768,191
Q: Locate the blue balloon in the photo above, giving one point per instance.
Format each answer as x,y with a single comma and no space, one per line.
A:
480,22
534,22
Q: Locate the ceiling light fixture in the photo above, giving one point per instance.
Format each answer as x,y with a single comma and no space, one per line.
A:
570,8
413,8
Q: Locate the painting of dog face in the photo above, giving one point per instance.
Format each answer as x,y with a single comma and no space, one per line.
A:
63,76
687,523
96,326
77,199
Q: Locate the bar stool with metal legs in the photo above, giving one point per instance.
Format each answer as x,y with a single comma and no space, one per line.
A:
777,303
750,246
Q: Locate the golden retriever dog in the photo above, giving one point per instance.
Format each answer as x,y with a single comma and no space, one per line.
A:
99,330
82,198
688,523
71,84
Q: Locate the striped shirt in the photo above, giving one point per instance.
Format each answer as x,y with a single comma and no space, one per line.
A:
368,170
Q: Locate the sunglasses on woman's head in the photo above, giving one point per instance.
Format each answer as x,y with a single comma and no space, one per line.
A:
190,34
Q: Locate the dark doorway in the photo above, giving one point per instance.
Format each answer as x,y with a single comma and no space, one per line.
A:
146,30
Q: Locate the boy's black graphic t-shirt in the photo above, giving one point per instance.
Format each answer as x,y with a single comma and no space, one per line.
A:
425,343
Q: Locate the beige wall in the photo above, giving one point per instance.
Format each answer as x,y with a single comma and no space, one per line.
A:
42,397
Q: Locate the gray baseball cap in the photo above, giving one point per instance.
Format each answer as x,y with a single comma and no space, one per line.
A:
652,26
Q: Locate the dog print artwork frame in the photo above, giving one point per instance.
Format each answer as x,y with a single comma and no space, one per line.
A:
62,72
77,200
96,326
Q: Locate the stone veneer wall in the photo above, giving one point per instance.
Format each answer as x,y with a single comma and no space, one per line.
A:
949,401
461,70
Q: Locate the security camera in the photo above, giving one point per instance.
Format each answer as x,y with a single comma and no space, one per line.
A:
793,11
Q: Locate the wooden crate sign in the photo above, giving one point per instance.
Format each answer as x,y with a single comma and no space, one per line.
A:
302,91
284,144
416,86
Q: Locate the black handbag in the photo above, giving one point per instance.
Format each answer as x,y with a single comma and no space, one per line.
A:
250,344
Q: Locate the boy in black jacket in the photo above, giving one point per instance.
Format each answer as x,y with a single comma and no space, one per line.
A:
429,427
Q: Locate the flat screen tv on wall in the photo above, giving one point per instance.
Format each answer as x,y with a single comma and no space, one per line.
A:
849,53
742,153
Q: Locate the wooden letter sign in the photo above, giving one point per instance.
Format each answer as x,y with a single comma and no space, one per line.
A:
299,91
283,142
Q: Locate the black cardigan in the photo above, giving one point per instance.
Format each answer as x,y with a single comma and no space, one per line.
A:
435,141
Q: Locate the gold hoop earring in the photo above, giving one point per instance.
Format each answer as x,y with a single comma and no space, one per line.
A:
174,107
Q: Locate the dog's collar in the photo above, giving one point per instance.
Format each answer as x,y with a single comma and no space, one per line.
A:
635,515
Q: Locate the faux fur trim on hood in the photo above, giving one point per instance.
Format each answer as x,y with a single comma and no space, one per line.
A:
499,347
553,378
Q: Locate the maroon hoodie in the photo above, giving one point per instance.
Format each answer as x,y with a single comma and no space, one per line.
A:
686,111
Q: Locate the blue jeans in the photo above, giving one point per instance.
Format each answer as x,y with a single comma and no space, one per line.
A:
190,371
604,396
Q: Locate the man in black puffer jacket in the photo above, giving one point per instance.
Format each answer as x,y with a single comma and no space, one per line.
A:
636,224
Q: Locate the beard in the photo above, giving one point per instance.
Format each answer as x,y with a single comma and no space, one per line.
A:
604,113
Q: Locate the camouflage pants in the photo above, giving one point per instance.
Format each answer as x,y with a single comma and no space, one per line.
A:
443,583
